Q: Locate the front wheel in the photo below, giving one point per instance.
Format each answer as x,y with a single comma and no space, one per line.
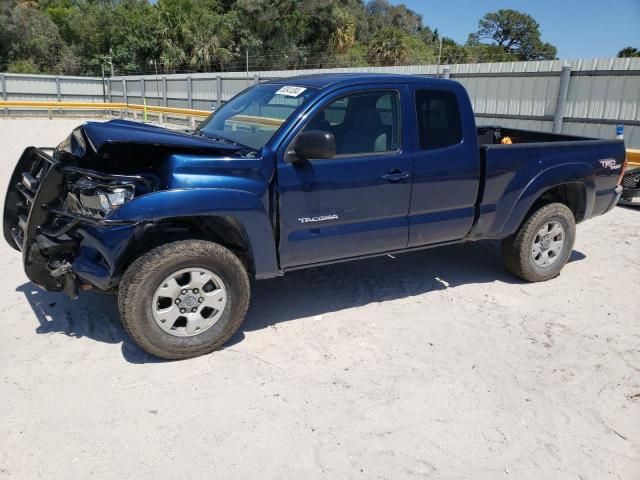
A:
184,298
542,245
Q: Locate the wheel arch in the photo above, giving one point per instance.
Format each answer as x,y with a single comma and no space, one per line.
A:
572,194
570,184
225,230
236,219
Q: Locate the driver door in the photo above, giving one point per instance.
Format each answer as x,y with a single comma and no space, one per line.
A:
357,202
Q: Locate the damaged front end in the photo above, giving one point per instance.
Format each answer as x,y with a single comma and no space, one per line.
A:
49,210
59,202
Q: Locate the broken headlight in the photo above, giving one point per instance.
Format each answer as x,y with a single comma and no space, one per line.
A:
97,199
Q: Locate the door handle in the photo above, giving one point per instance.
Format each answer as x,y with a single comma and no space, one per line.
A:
395,175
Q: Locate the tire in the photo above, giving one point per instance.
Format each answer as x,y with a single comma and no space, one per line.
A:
142,296
519,252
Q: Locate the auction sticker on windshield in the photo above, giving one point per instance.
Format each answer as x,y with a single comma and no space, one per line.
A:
290,91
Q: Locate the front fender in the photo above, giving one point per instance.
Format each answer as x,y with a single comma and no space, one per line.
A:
577,172
245,207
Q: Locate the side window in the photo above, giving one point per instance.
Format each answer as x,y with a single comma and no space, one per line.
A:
439,122
362,123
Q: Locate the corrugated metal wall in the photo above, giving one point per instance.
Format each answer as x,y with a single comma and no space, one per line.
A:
602,92
50,88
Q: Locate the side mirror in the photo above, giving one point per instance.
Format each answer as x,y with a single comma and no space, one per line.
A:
315,144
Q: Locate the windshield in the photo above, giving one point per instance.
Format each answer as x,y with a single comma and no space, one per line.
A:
253,117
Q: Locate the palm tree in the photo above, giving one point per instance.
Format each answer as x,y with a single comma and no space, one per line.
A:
344,36
206,50
388,47
172,56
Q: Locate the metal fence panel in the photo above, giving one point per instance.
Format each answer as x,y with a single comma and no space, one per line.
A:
203,89
519,94
45,87
601,93
537,125
602,130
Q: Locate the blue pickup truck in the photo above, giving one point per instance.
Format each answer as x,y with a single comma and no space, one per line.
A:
292,174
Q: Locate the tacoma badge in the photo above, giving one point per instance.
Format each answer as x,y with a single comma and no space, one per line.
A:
321,218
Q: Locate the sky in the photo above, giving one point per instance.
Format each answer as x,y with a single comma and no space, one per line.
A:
578,28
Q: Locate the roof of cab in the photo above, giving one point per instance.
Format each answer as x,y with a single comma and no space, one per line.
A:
324,80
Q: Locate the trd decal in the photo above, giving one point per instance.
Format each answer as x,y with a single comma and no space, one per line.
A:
611,164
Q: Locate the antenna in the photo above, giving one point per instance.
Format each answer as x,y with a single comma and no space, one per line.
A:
439,59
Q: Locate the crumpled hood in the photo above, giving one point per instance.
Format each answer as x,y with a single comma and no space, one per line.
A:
93,141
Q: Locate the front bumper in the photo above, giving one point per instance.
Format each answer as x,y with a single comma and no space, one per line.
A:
60,250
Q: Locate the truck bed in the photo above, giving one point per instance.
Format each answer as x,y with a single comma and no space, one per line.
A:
530,163
495,135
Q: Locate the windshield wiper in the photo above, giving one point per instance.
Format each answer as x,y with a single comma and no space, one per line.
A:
217,138
226,140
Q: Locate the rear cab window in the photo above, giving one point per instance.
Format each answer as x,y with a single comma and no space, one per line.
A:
438,119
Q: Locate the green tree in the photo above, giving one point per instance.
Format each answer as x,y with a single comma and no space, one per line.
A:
290,33
629,52
483,53
382,15
123,31
356,56
65,14
128,32
452,52
6,36
80,36
196,33
33,42
211,41
23,66
343,36
418,52
390,46
517,33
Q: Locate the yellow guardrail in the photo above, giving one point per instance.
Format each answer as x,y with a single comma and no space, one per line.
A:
266,121
24,104
633,158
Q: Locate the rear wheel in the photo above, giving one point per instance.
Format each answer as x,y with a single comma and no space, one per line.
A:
542,245
184,299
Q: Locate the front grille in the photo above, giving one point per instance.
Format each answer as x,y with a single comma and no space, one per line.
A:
27,186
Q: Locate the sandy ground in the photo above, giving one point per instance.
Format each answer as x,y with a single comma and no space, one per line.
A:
432,365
